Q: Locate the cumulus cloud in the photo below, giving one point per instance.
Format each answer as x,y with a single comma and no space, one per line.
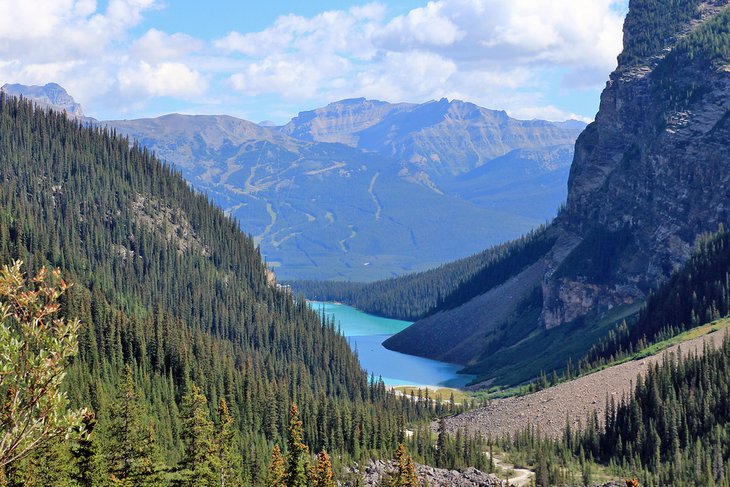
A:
164,79
495,53
470,48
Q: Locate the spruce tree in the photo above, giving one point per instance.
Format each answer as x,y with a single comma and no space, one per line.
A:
199,460
296,471
277,471
322,474
131,449
227,450
405,473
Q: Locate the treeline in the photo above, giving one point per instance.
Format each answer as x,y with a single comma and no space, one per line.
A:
696,294
164,282
674,430
414,296
651,25
675,84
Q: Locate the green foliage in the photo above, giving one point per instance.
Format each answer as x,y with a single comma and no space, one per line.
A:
227,448
652,25
167,285
36,345
130,445
697,293
417,295
297,468
599,255
199,461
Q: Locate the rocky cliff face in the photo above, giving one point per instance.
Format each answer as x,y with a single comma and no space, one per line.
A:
651,173
51,95
434,140
648,177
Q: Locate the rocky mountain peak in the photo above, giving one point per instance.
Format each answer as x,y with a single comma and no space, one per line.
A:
51,95
651,173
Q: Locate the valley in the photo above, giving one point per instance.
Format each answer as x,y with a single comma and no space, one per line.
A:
366,334
382,293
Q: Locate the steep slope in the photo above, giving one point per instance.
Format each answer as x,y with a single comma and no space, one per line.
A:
432,141
328,196
51,95
648,176
168,284
321,210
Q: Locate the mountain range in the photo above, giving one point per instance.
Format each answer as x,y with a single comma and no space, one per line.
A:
340,192
649,177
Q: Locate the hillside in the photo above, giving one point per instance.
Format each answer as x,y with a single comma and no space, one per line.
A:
166,283
576,399
638,199
325,201
320,210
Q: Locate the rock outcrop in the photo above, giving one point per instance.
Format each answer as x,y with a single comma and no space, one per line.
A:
649,176
377,471
51,95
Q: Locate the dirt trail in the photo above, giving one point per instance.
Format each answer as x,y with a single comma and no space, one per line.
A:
522,476
574,400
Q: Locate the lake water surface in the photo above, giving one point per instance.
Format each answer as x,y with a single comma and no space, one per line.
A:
367,333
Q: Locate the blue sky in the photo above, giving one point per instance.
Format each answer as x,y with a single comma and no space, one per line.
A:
270,60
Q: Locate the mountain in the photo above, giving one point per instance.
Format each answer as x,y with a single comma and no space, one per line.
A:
168,285
339,192
324,202
431,141
649,176
320,209
51,95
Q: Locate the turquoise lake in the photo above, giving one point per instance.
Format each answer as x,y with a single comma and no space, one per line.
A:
367,333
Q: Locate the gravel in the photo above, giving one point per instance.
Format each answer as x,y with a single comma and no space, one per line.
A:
548,409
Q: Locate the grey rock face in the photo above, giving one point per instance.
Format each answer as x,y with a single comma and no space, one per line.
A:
651,168
51,95
377,471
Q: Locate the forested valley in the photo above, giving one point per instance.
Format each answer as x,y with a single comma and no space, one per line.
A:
182,333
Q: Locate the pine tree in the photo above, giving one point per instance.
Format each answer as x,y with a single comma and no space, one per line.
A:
296,471
229,474
277,472
322,474
441,445
405,473
131,449
86,458
199,461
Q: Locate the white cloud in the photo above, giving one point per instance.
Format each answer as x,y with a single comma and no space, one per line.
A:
421,27
496,53
164,79
156,45
547,112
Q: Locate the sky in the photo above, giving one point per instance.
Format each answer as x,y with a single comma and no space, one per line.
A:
270,60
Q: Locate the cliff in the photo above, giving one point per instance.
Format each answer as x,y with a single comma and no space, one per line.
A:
649,175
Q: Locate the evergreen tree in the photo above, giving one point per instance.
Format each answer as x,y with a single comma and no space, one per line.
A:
277,469
200,460
130,446
322,472
296,470
227,448
405,473
85,454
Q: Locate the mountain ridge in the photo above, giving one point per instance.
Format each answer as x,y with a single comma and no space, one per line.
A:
648,178
333,203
